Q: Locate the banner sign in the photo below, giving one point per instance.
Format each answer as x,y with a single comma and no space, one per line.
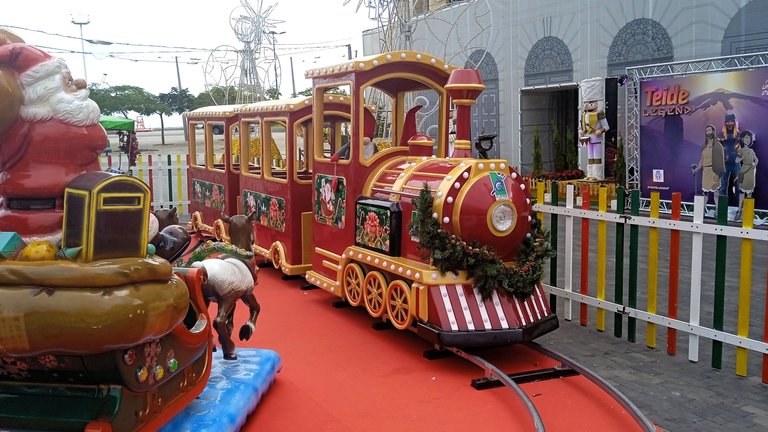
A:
674,115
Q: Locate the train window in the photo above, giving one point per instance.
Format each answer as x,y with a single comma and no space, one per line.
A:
377,118
302,137
275,134
197,143
217,145
332,105
422,113
252,152
234,148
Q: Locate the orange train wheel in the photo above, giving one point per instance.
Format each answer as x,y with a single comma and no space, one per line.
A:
374,293
352,282
275,254
399,305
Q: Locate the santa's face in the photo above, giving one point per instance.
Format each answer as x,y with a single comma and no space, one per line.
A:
590,106
60,97
72,105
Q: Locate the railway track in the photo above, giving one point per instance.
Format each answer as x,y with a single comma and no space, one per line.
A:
564,372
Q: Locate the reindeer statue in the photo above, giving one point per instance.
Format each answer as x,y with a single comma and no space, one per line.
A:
231,275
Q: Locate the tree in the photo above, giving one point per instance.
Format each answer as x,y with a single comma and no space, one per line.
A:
179,101
560,156
123,99
306,92
218,95
272,93
571,150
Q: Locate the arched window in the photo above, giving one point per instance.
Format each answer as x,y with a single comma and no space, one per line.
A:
641,41
485,112
549,62
747,33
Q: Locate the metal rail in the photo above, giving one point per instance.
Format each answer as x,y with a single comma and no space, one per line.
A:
639,417
493,372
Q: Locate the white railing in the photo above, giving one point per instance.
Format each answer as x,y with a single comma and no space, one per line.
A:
165,174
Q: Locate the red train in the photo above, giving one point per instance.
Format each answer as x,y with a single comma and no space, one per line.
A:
332,177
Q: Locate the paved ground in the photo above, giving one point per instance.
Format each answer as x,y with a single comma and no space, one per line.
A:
676,394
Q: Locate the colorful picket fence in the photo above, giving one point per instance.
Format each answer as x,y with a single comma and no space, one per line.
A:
166,176
662,260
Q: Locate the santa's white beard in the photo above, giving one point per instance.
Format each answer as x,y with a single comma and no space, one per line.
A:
47,99
75,108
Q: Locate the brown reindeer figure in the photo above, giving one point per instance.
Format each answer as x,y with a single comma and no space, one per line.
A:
171,239
229,279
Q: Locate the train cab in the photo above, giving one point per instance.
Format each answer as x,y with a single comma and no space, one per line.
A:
276,180
214,172
395,96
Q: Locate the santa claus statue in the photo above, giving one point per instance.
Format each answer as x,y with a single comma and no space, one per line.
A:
49,134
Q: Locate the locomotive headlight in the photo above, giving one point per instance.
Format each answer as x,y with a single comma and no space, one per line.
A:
502,217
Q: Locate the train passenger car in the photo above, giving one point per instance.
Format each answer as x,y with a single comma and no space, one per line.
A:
214,172
362,203
276,182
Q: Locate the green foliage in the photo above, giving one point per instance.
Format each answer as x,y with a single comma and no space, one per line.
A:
571,150
306,92
621,164
560,157
538,163
122,99
448,253
272,93
216,96
177,101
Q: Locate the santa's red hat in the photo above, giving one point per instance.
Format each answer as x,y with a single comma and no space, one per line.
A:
30,63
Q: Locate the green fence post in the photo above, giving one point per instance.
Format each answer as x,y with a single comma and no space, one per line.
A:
634,232
719,306
619,271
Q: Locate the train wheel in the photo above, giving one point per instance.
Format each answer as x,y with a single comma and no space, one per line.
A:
373,295
353,284
399,305
275,255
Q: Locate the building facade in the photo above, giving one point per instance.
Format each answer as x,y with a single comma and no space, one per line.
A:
533,54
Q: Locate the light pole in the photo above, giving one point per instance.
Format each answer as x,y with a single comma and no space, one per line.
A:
82,20
274,50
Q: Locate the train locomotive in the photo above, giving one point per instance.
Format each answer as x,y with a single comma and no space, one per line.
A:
340,180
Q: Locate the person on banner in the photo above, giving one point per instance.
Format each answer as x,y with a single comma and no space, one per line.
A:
593,125
710,164
748,168
729,181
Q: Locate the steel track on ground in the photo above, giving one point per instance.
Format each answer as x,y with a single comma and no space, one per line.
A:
495,377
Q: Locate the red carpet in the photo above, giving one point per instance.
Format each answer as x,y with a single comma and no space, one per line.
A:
341,375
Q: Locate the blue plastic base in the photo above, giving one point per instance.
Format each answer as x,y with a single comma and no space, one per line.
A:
232,393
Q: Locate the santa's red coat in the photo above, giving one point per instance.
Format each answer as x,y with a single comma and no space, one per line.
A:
38,160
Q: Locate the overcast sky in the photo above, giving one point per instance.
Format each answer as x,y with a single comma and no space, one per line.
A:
316,33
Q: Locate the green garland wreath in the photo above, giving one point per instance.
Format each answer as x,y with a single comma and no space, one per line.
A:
449,253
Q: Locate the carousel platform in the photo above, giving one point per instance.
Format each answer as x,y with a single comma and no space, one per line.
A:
233,392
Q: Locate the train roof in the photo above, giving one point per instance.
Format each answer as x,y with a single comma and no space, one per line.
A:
371,62
213,110
289,105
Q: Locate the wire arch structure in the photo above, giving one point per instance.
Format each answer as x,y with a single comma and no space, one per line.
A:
242,75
